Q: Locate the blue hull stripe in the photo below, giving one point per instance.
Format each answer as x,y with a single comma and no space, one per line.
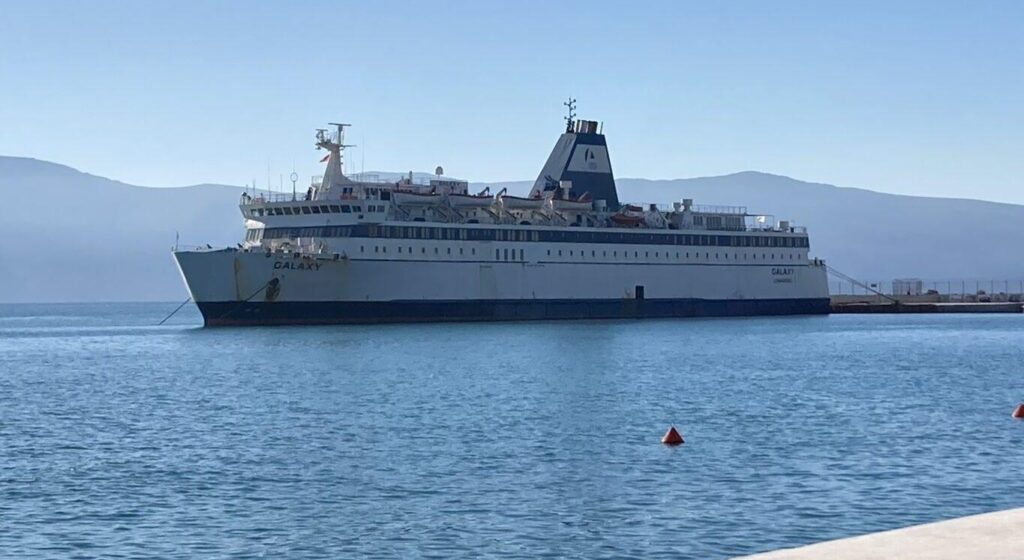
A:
334,312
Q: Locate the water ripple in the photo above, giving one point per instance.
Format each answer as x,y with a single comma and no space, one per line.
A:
528,440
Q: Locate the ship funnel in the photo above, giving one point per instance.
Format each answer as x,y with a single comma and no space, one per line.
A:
579,160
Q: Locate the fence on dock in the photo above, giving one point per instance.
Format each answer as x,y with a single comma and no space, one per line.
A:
965,290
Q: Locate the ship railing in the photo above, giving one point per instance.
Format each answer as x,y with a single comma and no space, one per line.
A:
372,178
776,228
265,198
197,248
700,208
714,209
645,206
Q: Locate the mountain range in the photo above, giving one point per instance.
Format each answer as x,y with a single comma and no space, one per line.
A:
66,235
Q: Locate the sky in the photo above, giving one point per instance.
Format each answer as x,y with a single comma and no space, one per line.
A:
907,97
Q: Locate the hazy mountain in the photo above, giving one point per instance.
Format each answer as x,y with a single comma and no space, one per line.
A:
70,236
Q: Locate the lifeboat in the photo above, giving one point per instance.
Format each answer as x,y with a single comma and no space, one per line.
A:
470,200
625,220
520,203
581,204
628,216
413,198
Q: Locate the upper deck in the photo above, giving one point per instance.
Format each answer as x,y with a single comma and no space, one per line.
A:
575,189
377,204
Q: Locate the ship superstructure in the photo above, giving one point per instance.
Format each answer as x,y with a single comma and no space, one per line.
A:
357,250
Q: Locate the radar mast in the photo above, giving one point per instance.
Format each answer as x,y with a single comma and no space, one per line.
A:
335,145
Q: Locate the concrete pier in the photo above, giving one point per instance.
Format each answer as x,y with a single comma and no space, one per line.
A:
993,536
890,307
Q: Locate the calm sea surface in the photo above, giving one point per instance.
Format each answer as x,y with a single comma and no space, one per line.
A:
119,438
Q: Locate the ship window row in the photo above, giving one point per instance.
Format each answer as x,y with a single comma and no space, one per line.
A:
565,255
547,236
667,254
423,250
315,209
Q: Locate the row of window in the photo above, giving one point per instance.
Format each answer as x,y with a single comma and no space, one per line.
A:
547,236
315,209
668,255
514,254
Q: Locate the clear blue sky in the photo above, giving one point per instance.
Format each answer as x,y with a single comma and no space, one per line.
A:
907,97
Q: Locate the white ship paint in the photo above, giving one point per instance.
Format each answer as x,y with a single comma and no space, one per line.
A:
361,251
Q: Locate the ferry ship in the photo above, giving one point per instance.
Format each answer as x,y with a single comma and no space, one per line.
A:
352,250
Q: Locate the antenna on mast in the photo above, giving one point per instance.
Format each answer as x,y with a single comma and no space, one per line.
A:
571,105
341,143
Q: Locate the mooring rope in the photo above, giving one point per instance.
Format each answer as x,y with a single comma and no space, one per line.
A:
852,280
246,300
176,309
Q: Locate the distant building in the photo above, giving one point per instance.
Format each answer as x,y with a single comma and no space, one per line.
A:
907,287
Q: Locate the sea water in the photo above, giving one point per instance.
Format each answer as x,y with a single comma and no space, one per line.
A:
119,438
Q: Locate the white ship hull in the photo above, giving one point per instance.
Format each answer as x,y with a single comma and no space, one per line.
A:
358,252
234,287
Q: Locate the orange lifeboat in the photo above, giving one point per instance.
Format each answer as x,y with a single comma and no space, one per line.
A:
628,216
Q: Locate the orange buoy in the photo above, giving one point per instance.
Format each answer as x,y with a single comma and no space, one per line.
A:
1019,411
672,437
